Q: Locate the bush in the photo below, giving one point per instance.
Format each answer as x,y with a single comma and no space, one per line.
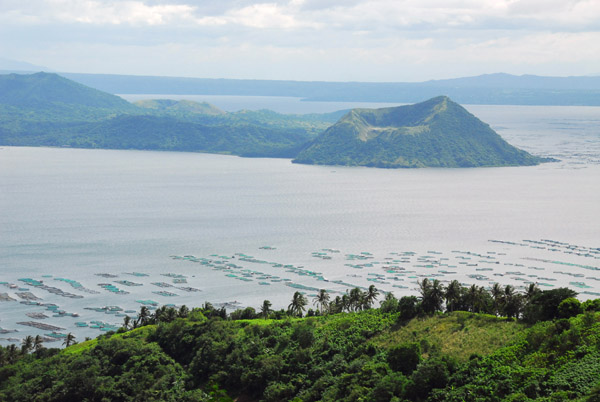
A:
569,308
404,358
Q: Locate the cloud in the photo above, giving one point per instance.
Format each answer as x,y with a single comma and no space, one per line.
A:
391,39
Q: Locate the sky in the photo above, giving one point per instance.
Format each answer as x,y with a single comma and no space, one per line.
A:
305,40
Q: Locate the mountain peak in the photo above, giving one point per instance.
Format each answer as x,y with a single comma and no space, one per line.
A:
435,133
44,89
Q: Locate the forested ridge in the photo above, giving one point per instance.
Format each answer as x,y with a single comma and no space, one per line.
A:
451,343
49,110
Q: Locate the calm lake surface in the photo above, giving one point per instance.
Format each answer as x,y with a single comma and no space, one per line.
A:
133,216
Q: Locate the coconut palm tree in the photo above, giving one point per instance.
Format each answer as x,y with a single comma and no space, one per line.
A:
337,306
497,292
475,298
322,299
452,296
69,340
531,291
265,309
12,353
27,345
512,302
144,316
38,343
432,295
371,295
356,299
127,322
183,312
346,302
298,304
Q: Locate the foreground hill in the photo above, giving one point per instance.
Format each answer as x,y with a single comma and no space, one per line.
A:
371,355
49,110
435,133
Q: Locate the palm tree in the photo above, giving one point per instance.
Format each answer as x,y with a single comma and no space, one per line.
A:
183,312
38,343
265,309
356,299
127,322
474,298
298,304
170,314
432,295
69,340
27,345
12,353
322,299
512,302
453,293
346,302
159,316
531,291
144,316
371,295
497,294
337,306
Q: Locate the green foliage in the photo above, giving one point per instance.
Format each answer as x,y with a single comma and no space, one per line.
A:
404,358
364,355
543,306
49,110
569,307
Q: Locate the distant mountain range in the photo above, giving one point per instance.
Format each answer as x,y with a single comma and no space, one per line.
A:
435,133
500,89
49,110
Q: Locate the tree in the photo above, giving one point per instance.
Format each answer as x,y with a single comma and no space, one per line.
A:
475,298
27,345
453,293
265,309
569,307
432,295
497,294
69,340
371,295
322,299
389,303
127,322
543,306
356,297
404,358
144,316
183,312
38,343
12,353
298,304
512,303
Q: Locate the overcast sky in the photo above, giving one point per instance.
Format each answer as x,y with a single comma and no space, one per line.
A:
331,40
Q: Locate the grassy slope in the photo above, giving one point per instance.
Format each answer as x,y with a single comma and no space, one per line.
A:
459,334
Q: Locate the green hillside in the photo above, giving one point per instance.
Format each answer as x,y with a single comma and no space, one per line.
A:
49,110
435,133
45,96
408,349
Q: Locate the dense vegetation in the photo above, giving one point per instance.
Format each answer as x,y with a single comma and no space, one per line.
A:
450,344
435,133
49,110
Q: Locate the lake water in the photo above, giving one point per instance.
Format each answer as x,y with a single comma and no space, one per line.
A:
73,214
